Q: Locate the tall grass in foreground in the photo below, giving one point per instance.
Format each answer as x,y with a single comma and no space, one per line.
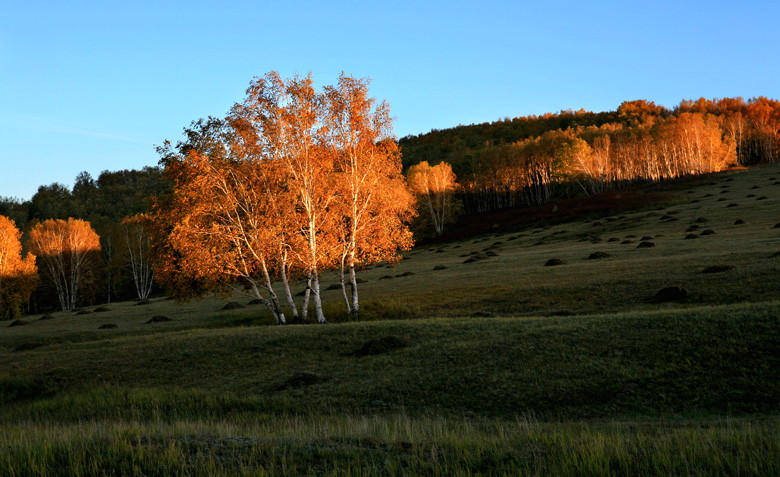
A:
392,445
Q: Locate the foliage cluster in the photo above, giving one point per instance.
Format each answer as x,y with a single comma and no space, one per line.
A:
292,182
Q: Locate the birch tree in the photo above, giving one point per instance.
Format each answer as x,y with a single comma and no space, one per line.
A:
434,187
68,253
138,245
373,198
18,273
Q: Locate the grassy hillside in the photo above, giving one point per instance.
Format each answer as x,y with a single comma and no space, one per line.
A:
487,362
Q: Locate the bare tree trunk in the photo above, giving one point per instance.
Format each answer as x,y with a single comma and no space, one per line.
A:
344,286
353,283
317,300
288,293
306,296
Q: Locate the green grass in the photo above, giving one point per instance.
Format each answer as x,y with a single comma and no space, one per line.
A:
394,445
570,370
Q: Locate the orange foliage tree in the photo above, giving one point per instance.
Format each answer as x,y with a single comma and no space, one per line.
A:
266,194
18,275
434,187
373,199
68,254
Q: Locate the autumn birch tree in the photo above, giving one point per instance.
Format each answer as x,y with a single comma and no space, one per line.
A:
434,186
68,253
373,198
18,274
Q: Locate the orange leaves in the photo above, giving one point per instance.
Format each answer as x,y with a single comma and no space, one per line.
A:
68,251
18,276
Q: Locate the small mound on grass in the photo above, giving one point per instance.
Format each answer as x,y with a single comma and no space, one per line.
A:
232,305
302,379
554,262
28,346
107,326
83,312
19,323
692,228
597,255
775,255
626,242
335,286
690,237
739,222
613,239
380,345
388,277
645,245
255,301
45,317
158,319
671,293
405,274
646,238
143,301
707,232
491,253
777,226
102,309
763,197
483,314
439,267
732,205
700,220
717,269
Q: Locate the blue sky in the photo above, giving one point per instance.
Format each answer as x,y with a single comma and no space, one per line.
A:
95,85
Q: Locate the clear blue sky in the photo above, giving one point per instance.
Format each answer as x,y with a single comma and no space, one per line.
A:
94,85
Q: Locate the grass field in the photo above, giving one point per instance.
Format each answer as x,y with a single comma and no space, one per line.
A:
501,365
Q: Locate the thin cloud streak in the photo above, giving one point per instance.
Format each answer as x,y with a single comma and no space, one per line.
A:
39,124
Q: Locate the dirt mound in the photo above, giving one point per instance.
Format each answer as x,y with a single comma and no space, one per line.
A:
405,274
299,380
483,314
380,345
45,317
107,326
158,319
597,255
690,237
143,301
232,305
101,309
335,286
28,346
439,267
19,323
717,269
255,301
83,312
777,226
739,222
554,262
707,232
645,245
671,293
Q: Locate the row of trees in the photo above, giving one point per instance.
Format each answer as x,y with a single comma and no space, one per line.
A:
66,255
519,162
292,182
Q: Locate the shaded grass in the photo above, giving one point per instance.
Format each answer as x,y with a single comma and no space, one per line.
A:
393,445
692,362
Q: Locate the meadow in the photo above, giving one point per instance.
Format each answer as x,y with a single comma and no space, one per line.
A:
541,348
